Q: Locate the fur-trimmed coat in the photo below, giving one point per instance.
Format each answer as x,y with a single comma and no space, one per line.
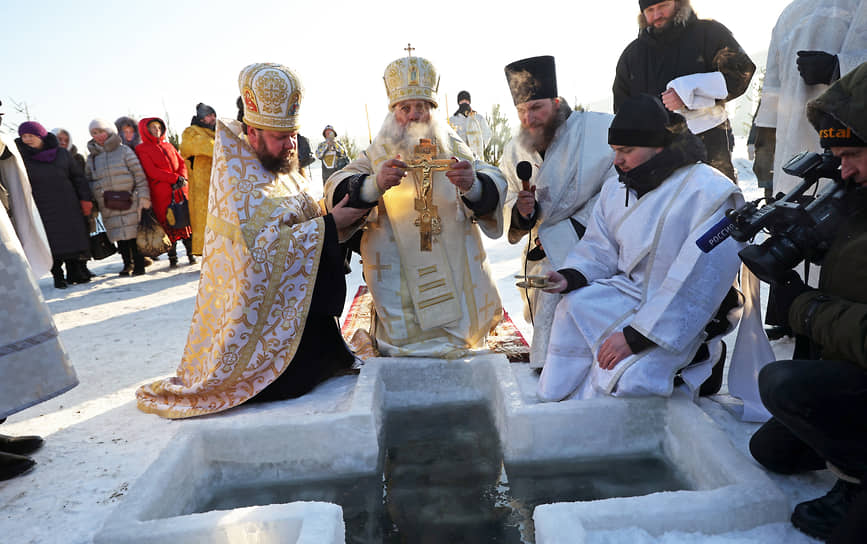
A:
128,121
115,167
692,46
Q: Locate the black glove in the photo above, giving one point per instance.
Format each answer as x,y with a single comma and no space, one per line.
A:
817,66
179,184
787,290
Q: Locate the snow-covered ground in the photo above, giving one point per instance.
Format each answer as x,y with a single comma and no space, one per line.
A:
123,332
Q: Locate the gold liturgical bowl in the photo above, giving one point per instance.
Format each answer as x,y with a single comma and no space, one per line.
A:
533,282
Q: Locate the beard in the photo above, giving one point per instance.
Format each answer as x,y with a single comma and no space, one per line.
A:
544,135
285,163
666,27
404,139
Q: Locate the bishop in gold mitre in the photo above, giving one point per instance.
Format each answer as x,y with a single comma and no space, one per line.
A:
421,245
264,325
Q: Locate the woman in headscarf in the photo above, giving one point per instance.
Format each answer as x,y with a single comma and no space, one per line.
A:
112,166
65,141
62,197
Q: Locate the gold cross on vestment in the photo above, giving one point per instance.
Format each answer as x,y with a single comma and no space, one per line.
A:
487,306
428,221
379,267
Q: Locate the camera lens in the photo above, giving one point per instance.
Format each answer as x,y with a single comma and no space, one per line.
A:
772,259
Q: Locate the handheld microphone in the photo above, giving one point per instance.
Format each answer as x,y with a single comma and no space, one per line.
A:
716,235
524,170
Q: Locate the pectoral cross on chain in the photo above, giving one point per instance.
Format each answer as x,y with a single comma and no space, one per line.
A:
428,221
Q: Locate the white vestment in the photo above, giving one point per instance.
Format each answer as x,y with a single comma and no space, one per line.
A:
838,27
34,367
644,270
25,217
438,303
576,164
473,130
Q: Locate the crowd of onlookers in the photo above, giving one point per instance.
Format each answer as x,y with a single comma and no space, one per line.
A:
130,169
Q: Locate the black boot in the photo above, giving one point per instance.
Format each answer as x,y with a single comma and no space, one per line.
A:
125,251
12,465
712,385
86,271
73,272
853,528
57,272
188,244
139,262
173,255
20,445
819,517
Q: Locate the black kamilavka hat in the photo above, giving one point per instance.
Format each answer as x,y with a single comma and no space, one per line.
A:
532,79
641,121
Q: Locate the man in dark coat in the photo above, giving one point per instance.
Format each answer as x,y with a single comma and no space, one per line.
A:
305,155
818,406
695,66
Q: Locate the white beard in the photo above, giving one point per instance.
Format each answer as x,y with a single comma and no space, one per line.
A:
404,139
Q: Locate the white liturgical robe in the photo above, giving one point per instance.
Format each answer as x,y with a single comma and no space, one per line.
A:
643,270
576,164
838,27
474,130
438,303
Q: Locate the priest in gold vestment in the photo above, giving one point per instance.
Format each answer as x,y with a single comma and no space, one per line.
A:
197,149
264,326
429,201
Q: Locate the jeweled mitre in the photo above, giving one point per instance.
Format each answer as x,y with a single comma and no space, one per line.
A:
272,96
411,78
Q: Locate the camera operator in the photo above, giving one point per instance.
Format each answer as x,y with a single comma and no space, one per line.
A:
819,406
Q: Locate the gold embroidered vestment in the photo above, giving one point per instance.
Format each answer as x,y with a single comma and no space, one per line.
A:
262,247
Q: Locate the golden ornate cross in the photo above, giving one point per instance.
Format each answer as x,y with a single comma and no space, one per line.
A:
409,49
428,221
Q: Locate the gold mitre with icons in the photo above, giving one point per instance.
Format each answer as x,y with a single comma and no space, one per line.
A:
272,96
411,78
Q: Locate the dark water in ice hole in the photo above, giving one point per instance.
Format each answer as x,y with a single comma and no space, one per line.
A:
443,482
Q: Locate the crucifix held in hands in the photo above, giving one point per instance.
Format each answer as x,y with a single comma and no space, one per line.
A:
428,222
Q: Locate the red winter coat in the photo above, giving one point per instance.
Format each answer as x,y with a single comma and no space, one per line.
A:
162,165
